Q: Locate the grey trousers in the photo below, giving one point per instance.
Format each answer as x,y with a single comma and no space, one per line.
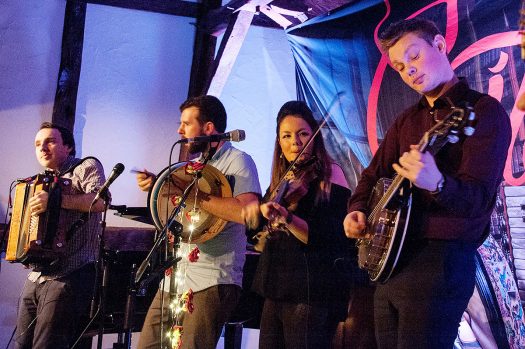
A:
49,313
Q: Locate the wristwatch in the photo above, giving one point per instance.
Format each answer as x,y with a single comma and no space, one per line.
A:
440,186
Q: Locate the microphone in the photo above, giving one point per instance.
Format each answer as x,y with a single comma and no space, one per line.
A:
25,180
117,170
233,136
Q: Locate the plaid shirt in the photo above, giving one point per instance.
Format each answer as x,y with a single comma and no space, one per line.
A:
86,176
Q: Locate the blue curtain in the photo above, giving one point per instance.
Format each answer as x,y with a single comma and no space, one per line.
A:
336,58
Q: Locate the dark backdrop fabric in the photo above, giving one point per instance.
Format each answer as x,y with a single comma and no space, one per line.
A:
342,74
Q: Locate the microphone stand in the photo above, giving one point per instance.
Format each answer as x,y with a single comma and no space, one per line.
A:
172,225
100,289
124,337
176,228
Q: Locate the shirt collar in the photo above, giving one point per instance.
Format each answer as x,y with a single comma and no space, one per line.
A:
455,94
67,164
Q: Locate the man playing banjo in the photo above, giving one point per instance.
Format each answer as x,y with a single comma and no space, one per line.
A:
453,193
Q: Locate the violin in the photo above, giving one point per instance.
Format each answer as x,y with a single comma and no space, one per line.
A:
295,183
292,187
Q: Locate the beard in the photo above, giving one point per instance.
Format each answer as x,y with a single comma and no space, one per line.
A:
197,147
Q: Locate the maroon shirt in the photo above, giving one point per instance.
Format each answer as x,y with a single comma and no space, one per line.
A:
473,168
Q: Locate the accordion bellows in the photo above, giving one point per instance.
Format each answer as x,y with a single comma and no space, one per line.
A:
36,239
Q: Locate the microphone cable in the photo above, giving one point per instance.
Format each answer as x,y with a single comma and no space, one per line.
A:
11,338
2,242
9,206
92,318
92,314
88,325
28,326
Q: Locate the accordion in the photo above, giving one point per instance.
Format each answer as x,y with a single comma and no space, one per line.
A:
36,239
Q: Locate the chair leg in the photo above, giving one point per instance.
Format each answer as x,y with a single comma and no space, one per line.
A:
233,335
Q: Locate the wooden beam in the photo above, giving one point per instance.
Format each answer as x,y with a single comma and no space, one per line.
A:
217,20
228,51
71,58
203,53
170,7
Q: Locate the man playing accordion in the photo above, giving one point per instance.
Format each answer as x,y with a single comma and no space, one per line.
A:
57,294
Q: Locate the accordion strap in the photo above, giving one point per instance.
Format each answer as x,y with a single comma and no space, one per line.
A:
85,216
72,167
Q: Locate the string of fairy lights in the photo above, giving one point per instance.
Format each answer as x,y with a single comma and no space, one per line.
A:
182,301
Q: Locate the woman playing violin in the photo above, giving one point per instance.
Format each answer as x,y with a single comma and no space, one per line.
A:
303,270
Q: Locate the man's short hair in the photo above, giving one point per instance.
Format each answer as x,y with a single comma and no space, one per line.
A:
210,109
425,29
67,136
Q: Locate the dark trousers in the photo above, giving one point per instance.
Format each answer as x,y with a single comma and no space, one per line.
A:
201,328
49,312
421,306
292,325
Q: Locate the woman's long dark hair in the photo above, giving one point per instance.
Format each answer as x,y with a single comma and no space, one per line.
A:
300,110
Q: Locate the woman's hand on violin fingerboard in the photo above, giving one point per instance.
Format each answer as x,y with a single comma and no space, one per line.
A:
271,210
